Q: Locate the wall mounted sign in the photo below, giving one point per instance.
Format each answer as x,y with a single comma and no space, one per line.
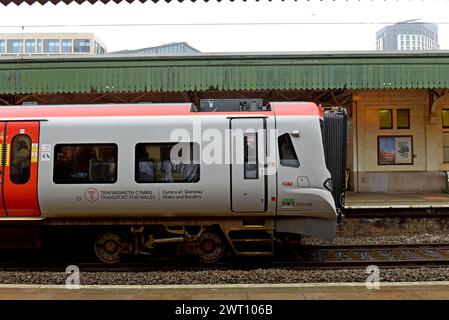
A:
394,150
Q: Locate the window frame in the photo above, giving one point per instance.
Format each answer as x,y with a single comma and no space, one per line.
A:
30,43
246,158
445,147
442,118
294,151
64,45
14,44
85,144
391,119
444,131
39,45
51,44
11,159
80,44
2,46
191,143
397,118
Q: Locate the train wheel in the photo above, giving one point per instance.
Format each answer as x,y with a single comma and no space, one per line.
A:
211,247
107,247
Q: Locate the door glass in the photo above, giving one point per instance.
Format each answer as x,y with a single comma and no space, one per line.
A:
20,159
250,156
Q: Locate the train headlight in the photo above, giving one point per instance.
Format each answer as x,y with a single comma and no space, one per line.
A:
328,184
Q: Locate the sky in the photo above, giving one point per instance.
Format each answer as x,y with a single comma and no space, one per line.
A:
327,25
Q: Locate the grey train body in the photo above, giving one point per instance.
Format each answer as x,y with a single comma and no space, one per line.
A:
276,195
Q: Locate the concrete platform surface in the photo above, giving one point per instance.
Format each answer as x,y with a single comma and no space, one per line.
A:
371,200
307,291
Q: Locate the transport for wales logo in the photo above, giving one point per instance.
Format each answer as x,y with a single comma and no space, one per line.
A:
91,194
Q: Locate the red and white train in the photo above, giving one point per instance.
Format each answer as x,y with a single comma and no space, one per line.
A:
137,177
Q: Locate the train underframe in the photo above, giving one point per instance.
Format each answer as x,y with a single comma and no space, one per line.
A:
113,240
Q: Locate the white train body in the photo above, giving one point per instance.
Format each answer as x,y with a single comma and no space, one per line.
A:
286,195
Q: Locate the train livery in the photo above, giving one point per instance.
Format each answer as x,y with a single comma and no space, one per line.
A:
138,177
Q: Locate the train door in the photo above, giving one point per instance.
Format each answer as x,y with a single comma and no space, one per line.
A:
2,163
248,182
20,174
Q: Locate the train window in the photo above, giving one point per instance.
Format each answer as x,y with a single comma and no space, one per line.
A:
85,163
250,156
167,162
287,152
20,159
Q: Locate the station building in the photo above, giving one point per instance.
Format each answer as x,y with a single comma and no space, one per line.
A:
397,103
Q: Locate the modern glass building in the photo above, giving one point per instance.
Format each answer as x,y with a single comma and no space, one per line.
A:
170,48
408,36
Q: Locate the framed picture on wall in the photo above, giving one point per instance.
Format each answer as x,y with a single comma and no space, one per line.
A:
394,150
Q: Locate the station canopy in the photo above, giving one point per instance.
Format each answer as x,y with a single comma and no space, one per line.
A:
224,72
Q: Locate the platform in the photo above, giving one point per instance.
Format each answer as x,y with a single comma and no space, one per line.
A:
371,200
307,291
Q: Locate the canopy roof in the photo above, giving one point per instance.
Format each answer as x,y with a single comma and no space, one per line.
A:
234,71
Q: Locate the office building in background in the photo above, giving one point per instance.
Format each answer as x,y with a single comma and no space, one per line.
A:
170,48
51,44
408,36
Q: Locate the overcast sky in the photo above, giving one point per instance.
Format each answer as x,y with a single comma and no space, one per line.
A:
213,38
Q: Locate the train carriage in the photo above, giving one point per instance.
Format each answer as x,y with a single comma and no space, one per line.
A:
142,176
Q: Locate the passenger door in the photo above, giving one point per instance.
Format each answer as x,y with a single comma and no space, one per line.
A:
20,174
248,157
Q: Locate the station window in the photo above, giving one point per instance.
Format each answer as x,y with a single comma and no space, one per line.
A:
403,118
445,113
167,162
385,119
250,156
287,154
85,163
20,159
446,146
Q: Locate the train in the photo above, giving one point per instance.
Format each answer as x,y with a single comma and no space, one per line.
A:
135,178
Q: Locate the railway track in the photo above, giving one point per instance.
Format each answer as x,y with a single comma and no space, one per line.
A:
385,255
297,258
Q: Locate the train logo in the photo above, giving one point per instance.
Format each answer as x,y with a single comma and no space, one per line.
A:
91,194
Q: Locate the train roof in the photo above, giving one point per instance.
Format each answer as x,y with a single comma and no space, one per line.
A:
148,109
